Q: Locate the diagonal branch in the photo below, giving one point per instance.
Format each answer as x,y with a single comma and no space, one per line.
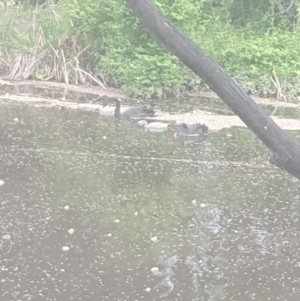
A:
286,152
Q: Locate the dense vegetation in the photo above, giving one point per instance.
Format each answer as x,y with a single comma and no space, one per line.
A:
256,42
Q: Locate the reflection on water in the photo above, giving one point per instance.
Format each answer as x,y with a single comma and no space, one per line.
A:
130,198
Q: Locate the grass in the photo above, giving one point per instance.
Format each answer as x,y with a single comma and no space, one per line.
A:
38,45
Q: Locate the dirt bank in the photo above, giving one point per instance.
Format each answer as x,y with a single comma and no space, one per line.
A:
49,94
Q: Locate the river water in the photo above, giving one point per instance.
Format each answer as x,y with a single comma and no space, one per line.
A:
95,209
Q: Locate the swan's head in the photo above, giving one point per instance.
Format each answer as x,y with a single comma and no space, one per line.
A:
204,128
181,130
118,101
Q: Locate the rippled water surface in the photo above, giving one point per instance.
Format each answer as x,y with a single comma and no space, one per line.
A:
95,209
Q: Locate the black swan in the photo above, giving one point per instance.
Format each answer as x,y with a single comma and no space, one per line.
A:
197,130
140,111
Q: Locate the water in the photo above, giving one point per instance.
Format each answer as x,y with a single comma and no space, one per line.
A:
151,220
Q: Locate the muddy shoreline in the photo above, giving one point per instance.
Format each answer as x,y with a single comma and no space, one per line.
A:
51,94
63,91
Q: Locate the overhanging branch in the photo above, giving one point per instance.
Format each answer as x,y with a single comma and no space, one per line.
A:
286,152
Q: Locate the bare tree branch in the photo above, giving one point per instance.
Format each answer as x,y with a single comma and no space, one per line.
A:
286,152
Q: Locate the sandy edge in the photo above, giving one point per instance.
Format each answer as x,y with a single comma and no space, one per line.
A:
117,93
214,121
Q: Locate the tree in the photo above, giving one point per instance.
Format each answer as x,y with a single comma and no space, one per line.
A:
286,152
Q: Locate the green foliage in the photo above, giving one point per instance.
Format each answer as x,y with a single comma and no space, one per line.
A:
261,15
26,29
252,40
122,47
39,77
32,3
253,59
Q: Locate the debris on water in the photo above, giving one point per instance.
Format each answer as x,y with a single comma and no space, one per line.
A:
202,205
6,237
194,202
165,287
154,238
117,221
155,270
71,231
65,248
148,289
16,119
104,137
2,182
108,234
136,213
67,208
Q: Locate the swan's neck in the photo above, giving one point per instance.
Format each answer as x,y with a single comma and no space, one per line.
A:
117,110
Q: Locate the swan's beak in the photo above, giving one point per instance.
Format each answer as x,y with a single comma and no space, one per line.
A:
175,136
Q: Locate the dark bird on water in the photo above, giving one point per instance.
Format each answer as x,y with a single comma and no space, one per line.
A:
197,131
139,111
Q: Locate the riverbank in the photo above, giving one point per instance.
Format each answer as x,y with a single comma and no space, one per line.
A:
89,98
95,93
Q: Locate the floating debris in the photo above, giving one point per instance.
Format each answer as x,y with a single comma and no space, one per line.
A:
136,213
194,202
109,235
71,231
148,289
2,182
155,270
67,208
117,221
154,238
65,248
202,205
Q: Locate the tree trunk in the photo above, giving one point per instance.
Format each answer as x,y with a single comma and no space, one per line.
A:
286,152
